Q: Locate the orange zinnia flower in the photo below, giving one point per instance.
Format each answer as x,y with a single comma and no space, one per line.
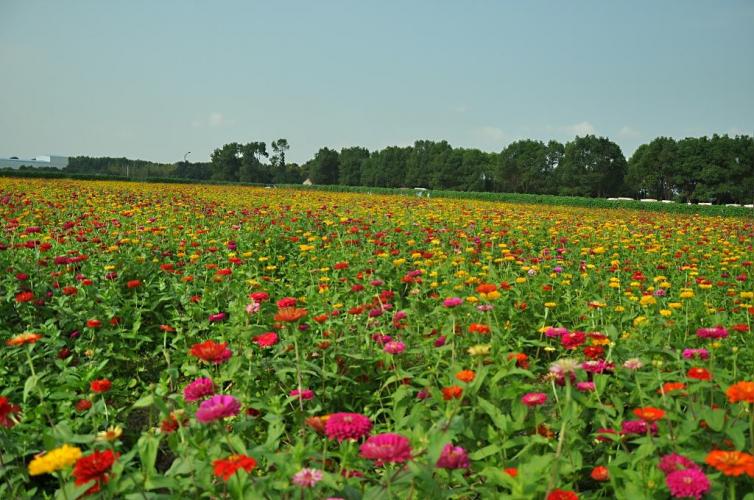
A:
731,463
486,288
465,375
741,391
23,338
649,413
451,392
479,328
290,314
669,387
226,467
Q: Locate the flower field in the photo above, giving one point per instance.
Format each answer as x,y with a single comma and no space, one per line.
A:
232,342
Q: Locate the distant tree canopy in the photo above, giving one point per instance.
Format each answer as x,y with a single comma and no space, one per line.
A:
719,169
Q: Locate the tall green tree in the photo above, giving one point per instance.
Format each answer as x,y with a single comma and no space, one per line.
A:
350,165
226,162
279,147
651,167
591,166
324,168
252,169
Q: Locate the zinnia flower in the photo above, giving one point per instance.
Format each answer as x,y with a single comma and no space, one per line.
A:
226,467
211,351
100,386
673,462
386,448
111,434
94,466
687,483
217,407
696,353
649,413
716,332
452,302
394,347
741,391
289,314
633,364
699,373
641,427
342,426
216,317
558,494
6,410
534,399
466,376
452,392
305,394
731,463
268,339
307,478
54,460
453,457
198,389
23,338
600,473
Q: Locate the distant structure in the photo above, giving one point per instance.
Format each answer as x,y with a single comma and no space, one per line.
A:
58,162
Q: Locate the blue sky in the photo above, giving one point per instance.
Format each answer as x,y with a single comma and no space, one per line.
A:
155,79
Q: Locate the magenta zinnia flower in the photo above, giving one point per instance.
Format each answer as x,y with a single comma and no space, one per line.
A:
534,398
696,353
674,462
342,426
452,302
687,483
453,457
638,427
716,332
198,389
387,447
217,407
217,317
304,394
585,386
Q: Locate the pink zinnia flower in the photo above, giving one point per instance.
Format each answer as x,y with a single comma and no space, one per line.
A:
484,307
534,399
674,462
217,407
556,331
342,426
452,302
687,483
394,347
307,478
597,366
387,447
453,457
253,307
585,386
304,394
696,353
716,332
198,389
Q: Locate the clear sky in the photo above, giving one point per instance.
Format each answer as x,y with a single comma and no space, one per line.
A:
153,79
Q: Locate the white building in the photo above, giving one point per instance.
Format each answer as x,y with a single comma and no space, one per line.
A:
15,162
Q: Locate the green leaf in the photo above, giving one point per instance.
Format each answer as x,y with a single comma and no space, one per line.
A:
144,402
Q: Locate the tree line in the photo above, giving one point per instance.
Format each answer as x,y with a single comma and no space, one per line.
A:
717,169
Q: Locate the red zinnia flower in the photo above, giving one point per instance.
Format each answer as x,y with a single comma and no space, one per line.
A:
24,297
93,323
699,373
6,410
600,473
558,494
211,351
82,405
95,466
133,284
268,339
101,385
226,467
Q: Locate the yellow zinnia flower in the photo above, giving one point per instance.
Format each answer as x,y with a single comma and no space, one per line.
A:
54,460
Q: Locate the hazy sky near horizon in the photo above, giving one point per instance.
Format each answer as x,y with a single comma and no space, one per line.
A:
155,79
